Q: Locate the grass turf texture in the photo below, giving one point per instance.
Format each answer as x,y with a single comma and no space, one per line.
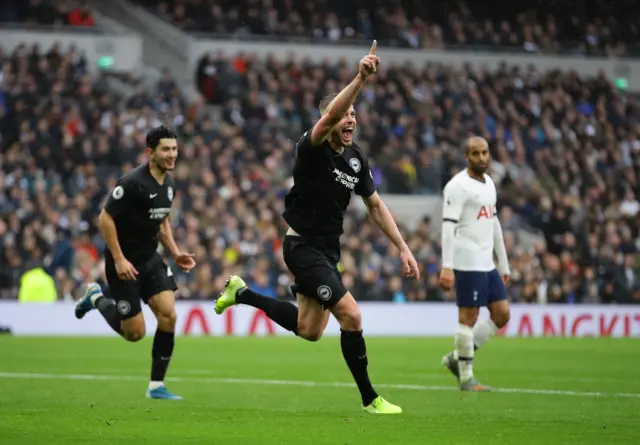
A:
268,391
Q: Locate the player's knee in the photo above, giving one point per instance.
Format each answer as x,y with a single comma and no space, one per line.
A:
351,320
134,335
167,320
133,329
310,332
468,317
348,314
312,336
501,318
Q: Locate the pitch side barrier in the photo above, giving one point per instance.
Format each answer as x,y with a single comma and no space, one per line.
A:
379,319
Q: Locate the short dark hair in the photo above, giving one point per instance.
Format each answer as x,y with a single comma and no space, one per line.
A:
324,103
472,141
155,134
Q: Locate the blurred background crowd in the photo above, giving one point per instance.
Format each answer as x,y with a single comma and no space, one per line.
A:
565,148
587,27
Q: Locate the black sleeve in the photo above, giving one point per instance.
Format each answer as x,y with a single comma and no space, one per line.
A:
122,198
303,146
365,186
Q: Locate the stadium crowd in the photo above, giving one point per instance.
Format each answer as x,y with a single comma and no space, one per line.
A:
589,27
47,12
565,159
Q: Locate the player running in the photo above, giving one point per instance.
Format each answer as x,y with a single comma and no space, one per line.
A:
470,233
135,218
329,167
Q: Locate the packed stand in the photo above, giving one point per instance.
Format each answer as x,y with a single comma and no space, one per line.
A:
589,27
46,12
66,149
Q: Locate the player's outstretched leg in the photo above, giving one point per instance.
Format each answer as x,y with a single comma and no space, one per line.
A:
93,298
354,351
236,292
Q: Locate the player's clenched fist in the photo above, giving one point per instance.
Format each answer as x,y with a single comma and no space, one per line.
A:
369,63
125,270
409,264
446,280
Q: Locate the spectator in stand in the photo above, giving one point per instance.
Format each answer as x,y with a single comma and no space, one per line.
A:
47,12
566,158
593,28
81,16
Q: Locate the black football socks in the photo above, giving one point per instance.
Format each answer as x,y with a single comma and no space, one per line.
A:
161,354
354,351
282,312
107,308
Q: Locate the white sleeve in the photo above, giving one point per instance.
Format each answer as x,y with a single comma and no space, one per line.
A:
453,202
499,247
448,235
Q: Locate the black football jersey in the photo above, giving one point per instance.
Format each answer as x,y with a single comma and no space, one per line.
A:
323,182
138,204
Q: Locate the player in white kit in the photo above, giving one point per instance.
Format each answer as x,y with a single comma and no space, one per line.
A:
470,233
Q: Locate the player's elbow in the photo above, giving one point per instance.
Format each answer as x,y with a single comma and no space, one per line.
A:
374,203
106,223
323,127
104,219
104,216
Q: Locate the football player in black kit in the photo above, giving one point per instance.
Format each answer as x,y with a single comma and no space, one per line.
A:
134,219
328,169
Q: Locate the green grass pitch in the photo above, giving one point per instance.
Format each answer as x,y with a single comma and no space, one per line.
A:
268,391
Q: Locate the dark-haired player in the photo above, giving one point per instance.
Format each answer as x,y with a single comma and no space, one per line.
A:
135,218
471,232
329,168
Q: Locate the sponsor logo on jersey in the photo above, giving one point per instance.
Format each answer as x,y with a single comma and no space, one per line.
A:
343,178
159,212
487,212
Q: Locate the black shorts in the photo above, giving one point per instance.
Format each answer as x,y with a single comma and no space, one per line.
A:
316,273
154,277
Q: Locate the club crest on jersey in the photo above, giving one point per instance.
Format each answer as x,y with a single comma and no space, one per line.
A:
487,212
324,292
354,163
170,193
123,307
118,192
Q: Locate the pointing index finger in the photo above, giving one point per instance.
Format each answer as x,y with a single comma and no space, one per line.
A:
374,45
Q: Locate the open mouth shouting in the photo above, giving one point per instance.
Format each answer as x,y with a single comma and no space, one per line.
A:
347,135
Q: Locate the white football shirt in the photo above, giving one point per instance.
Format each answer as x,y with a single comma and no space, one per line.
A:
470,204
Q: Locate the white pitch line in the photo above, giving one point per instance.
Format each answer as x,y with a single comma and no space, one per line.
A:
554,392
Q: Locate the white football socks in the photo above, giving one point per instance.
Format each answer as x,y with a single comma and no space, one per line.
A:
464,351
483,331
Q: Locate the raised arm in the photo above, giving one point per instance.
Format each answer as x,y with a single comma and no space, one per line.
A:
345,99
